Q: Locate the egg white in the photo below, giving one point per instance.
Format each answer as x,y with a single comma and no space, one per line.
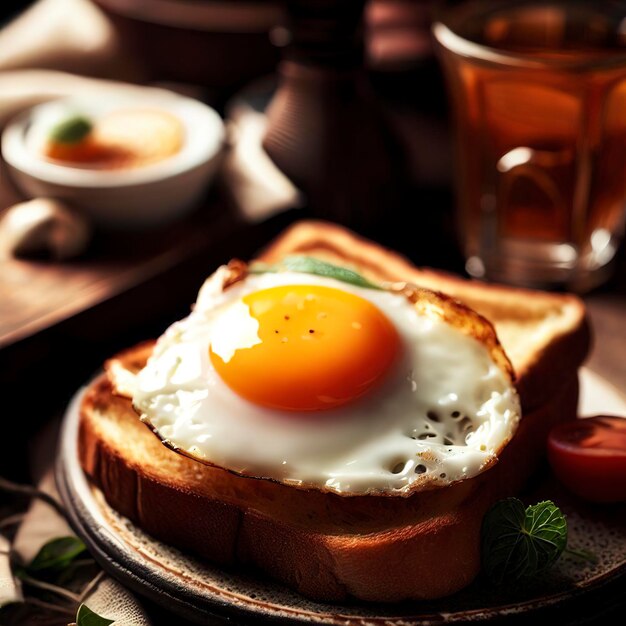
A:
441,415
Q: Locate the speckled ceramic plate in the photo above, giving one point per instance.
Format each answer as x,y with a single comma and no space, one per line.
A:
209,595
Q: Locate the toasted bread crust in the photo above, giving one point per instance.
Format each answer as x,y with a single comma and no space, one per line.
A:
538,330
326,546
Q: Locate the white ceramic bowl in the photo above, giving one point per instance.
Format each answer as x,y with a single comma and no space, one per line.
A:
145,196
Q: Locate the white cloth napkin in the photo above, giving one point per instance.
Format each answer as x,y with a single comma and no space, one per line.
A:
67,35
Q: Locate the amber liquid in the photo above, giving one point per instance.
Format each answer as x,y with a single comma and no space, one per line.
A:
541,138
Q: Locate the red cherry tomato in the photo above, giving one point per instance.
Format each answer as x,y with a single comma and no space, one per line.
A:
589,457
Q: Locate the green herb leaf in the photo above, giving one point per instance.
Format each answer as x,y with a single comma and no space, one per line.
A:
86,617
57,554
71,130
309,265
518,542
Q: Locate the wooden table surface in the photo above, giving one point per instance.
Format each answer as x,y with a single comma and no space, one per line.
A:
37,295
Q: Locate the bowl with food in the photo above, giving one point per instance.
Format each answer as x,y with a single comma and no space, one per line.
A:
127,162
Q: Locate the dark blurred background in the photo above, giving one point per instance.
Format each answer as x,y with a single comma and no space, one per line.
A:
10,9
196,47
217,55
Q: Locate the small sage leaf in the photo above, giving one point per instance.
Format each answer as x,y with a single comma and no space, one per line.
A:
86,617
310,265
57,554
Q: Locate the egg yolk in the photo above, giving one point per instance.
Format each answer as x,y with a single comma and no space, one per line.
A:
319,348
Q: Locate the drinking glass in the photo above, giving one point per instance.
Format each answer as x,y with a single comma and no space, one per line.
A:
538,91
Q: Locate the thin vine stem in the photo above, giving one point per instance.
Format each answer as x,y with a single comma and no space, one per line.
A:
40,584
91,585
32,492
12,520
582,555
48,606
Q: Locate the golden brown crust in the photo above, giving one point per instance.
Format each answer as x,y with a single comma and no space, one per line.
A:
325,546
459,315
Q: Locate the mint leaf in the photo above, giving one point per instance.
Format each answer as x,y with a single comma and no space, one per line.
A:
57,554
71,130
310,265
519,542
86,617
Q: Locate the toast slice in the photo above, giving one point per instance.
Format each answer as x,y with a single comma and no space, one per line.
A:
326,546
542,333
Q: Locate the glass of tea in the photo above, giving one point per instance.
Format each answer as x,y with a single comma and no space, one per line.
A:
538,96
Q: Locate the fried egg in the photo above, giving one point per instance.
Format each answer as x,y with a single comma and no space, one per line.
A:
317,383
